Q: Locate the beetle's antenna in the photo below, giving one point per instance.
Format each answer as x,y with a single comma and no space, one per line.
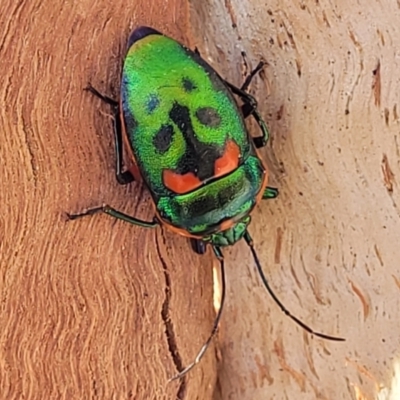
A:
204,348
249,241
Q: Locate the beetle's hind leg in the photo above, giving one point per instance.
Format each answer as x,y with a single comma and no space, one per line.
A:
123,177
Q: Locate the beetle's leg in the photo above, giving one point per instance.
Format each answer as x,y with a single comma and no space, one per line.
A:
198,246
204,348
250,103
252,74
270,193
123,177
250,108
116,214
106,99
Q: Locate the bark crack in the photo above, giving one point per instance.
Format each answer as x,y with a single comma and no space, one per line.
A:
169,326
26,128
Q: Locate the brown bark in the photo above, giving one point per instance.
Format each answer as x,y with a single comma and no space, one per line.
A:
95,308
85,305
330,243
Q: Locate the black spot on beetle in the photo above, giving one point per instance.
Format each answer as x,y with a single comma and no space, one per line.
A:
188,85
152,103
208,116
199,157
163,139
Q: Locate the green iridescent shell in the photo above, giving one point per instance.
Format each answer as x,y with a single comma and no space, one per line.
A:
187,136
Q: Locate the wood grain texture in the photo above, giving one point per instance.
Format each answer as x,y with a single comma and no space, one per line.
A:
95,308
330,243
98,309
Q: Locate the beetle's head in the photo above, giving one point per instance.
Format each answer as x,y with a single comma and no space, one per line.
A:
229,236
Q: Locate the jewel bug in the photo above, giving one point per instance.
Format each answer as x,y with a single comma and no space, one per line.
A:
188,141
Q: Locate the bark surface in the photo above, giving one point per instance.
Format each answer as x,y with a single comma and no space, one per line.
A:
100,309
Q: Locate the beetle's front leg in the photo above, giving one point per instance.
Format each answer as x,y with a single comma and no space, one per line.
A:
123,177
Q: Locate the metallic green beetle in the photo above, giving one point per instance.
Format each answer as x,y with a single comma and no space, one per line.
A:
189,143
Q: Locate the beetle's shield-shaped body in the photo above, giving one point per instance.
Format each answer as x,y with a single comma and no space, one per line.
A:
187,137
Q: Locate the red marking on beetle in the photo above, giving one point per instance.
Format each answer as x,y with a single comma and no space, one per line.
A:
229,160
185,183
227,224
180,184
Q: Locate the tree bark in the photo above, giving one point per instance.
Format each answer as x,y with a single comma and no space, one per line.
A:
330,243
93,308
100,309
